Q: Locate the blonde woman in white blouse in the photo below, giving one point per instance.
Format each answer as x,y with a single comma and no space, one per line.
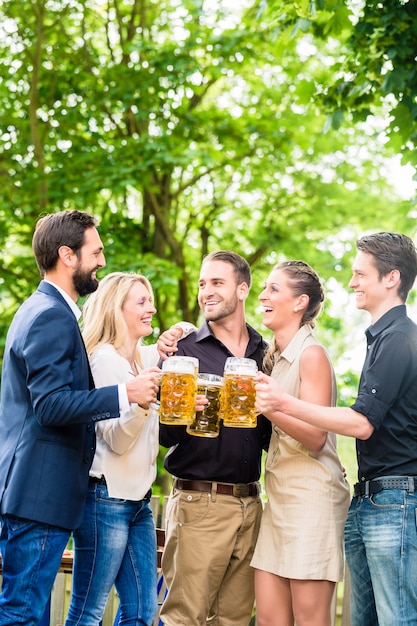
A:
116,543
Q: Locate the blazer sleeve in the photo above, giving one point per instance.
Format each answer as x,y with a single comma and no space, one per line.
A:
58,372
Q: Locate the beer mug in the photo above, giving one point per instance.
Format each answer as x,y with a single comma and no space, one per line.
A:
207,423
238,401
178,390
194,360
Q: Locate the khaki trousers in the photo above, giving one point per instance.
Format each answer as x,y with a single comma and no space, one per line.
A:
210,539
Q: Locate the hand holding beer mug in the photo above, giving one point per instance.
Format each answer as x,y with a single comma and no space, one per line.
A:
178,390
207,422
238,402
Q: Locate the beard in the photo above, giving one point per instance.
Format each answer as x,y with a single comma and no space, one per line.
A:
228,307
84,282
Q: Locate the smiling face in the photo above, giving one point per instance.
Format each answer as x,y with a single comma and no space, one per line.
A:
90,259
370,289
278,301
218,291
138,309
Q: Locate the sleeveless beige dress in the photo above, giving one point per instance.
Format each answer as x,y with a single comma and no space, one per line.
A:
301,534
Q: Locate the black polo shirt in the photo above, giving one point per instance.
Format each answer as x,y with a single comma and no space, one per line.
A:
235,455
388,398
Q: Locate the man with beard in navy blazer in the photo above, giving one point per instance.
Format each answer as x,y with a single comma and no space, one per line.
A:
48,412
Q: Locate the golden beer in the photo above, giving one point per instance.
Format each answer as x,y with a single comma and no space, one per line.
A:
207,423
178,391
238,402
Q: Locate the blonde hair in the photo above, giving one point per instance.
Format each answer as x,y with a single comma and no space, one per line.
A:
103,319
302,280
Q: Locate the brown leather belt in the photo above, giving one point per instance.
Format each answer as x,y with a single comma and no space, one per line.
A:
238,490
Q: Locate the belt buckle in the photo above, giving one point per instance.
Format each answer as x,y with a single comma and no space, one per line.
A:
241,490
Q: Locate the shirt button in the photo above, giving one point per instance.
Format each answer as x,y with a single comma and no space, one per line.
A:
373,391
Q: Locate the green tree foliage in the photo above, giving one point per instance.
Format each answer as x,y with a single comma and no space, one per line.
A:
379,71
185,126
376,69
188,125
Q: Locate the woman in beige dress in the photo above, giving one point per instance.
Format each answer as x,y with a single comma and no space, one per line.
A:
299,554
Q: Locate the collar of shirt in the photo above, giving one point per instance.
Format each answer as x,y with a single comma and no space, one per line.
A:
73,306
386,320
293,349
255,338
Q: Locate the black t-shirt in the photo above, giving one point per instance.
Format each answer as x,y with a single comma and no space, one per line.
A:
388,398
235,455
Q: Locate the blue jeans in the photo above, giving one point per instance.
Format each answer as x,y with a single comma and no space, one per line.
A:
381,552
116,544
31,554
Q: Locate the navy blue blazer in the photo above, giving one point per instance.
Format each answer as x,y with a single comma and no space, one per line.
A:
47,413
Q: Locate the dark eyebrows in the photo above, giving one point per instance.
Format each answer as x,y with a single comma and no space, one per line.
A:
211,280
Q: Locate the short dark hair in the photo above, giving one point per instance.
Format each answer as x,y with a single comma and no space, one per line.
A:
392,251
65,228
240,266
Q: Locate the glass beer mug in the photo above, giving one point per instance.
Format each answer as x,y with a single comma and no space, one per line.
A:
178,390
238,401
207,423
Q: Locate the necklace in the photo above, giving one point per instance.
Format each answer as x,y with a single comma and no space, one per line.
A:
132,363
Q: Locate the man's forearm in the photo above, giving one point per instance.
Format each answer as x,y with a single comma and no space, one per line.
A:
340,420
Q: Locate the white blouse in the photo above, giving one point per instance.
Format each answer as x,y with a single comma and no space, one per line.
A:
127,446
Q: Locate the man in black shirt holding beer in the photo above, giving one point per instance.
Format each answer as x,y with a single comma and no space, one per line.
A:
214,509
